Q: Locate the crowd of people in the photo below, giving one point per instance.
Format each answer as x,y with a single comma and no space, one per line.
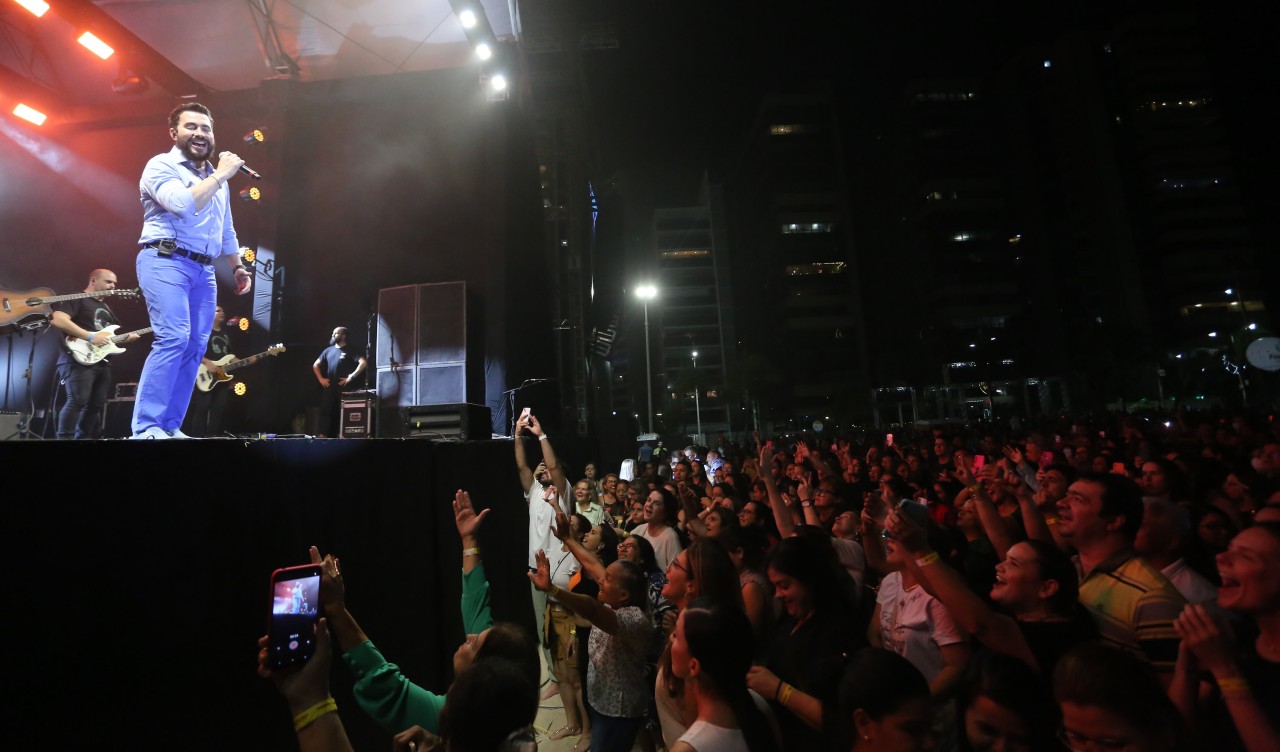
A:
1109,585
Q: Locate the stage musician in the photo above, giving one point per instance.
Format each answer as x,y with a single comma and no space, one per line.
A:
334,371
87,385
204,418
186,225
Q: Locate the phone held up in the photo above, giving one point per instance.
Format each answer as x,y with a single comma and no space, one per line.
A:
295,613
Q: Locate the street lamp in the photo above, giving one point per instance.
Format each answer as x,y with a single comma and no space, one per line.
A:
647,293
697,405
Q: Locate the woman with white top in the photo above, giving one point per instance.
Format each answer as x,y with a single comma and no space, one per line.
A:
711,651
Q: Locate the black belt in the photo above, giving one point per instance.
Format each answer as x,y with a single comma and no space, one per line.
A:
170,248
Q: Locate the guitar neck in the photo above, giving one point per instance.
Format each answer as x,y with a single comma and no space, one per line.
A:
77,296
126,335
246,361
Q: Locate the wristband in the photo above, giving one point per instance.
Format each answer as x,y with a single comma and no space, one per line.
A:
1233,686
308,716
238,267
929,558
778,689
543,437
553,592
975,488
787,689
473,551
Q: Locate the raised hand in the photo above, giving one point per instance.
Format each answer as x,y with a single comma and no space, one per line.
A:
541,577
560,529
963,474
333,591
906,532
464,515
1014,454
305,685
1206,639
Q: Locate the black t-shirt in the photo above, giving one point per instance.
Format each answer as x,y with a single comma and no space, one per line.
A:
89,314
336,363
219,344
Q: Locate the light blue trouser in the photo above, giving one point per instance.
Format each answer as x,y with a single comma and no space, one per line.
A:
181,296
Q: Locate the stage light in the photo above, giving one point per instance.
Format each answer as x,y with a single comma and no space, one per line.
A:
95,45
37,7
248,255
466,17
243,324
255,136
251,194
30,114
484,51
498,82
239,389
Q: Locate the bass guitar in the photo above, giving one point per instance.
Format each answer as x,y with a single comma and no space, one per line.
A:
206,379
30,310
87,354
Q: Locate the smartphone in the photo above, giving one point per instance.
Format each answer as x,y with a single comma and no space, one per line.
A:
978,461
888,439
295,612
525,413
1046,459
1119,469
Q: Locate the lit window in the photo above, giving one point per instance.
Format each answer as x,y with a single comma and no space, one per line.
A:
823,267
787,129
679,253
962,237
807,228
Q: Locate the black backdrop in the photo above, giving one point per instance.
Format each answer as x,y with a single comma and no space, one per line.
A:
136,577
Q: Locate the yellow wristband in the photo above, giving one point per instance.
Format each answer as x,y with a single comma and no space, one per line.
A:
475,551
787,689
1233,686
975,488
1050,521
308,716
929,558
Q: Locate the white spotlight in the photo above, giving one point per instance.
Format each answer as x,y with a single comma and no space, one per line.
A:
498,82
483,51
468,19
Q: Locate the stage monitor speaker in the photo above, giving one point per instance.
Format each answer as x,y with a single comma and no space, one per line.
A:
453,422
9,425
422,347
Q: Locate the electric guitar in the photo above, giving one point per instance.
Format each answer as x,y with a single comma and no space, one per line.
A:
206,379
87,354
30,310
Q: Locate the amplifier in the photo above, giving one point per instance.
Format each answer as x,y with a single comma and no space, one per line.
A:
117,418
455,422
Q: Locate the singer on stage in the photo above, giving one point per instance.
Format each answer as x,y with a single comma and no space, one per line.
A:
186,224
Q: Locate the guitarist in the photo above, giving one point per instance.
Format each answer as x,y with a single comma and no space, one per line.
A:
204,417
87,386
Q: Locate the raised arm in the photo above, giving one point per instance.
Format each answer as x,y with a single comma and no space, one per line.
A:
781,513
549,457
967,609
693,520
522,463
591,565
995,526
585,606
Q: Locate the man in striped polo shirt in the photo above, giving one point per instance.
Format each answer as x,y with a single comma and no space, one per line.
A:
1133,604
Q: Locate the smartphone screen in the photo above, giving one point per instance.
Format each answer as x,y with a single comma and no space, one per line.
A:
978,461
888,440
1118,468
1046,459
295,612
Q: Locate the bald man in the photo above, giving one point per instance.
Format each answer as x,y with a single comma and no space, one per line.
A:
87,386
336,370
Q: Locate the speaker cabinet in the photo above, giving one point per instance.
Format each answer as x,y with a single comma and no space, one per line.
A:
423,343
455,422
117,419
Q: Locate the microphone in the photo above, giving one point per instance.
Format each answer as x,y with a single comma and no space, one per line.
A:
250,172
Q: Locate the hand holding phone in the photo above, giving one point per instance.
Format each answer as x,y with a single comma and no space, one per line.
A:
295,612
